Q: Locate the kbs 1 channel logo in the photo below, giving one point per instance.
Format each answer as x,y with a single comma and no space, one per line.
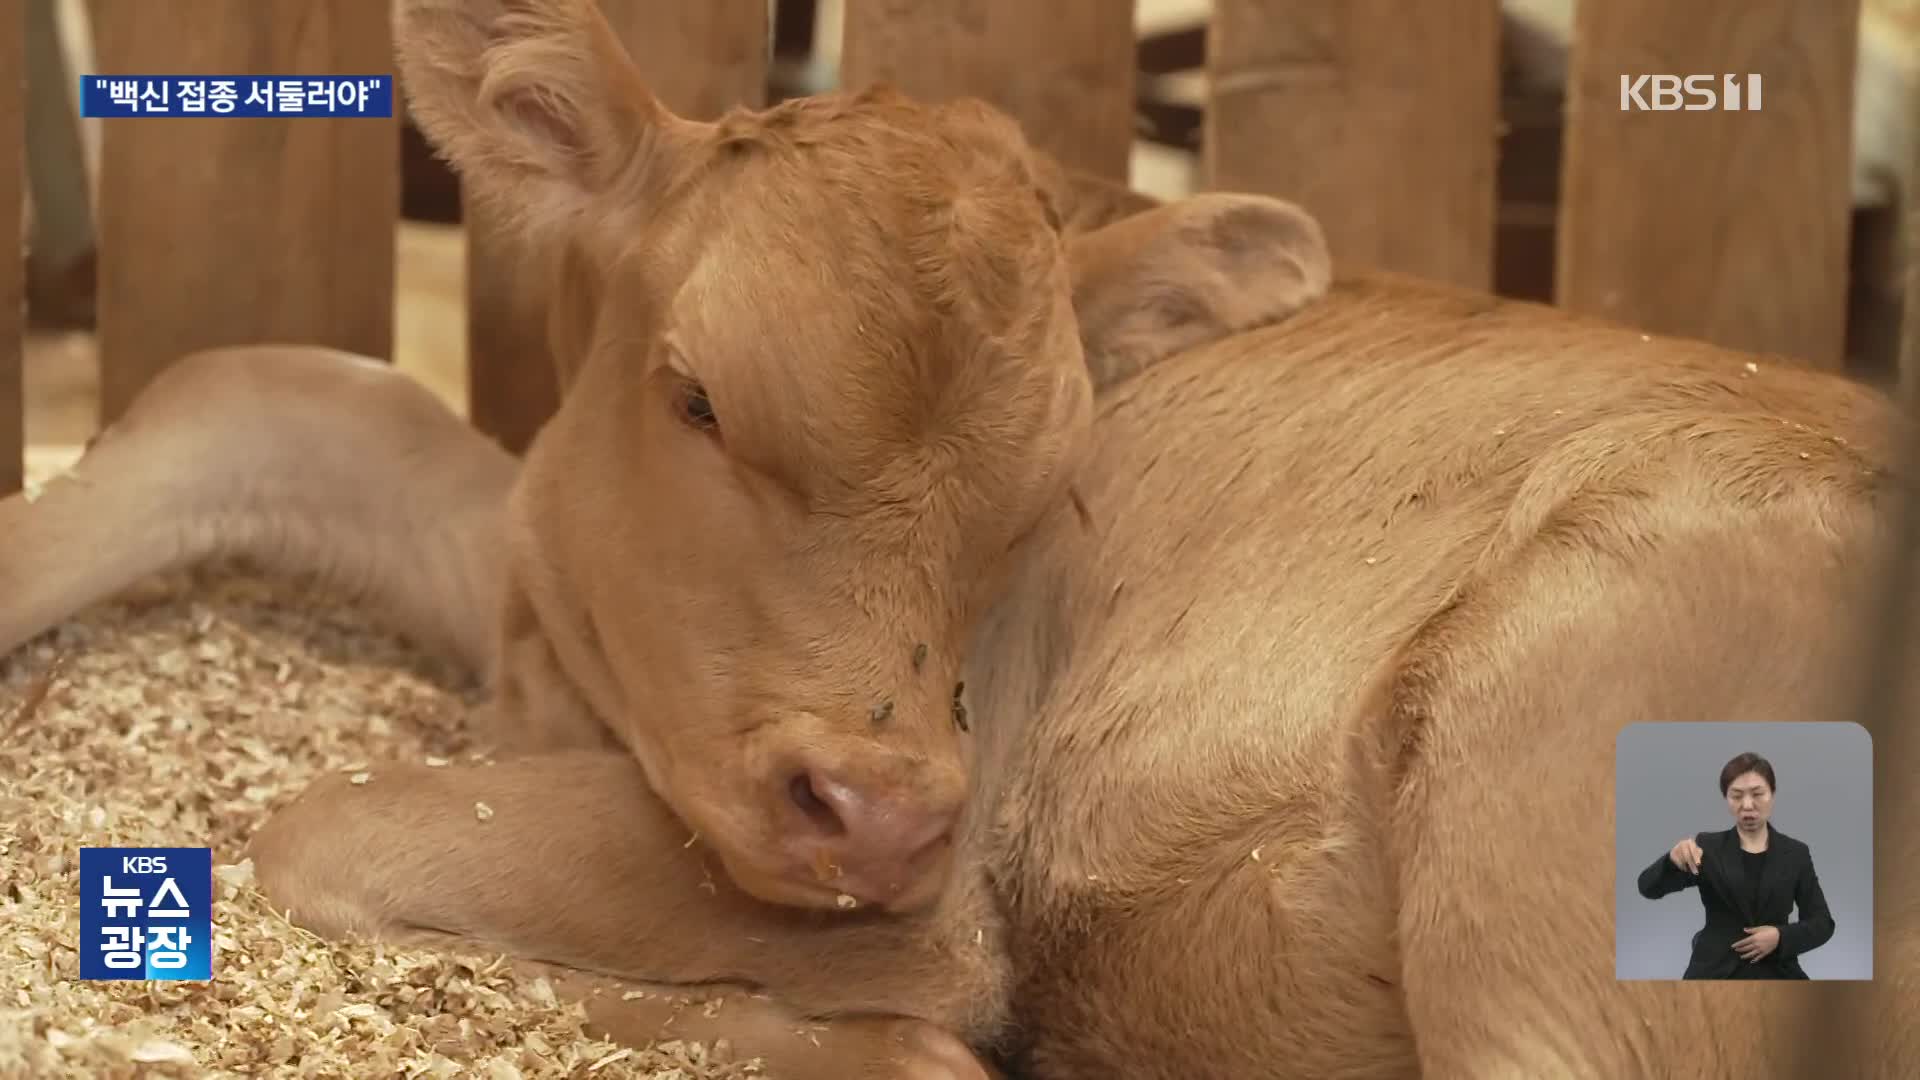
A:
1690,93
339,97
146,913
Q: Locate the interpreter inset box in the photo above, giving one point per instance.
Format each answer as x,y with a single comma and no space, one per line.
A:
1743,851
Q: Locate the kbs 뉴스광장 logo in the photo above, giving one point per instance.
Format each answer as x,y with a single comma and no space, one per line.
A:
146,913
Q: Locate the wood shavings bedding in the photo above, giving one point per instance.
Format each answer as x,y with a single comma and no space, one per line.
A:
180,714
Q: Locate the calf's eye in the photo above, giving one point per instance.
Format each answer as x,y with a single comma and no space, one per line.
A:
696,409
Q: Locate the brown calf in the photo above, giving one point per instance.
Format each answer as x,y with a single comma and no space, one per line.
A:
1250,719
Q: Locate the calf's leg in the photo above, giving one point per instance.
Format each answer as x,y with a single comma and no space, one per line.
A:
754,1024
307,460
568,858
1194,919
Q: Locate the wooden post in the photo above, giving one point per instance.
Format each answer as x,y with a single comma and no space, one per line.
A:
221,231
60,260
1380,117
700,59
1910,307
13,390
1062,68
1720,224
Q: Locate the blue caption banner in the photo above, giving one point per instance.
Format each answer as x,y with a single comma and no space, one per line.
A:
337,96
146,913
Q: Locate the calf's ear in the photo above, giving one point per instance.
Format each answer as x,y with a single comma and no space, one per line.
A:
1189,272
537,106
1084,201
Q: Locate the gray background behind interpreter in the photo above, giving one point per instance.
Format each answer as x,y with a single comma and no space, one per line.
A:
1667,786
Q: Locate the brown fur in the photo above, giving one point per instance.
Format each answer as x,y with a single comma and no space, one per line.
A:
1293,661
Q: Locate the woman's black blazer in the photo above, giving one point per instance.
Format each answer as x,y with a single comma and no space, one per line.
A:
1786,880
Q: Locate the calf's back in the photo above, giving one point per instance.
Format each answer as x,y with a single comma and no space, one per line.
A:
1354,601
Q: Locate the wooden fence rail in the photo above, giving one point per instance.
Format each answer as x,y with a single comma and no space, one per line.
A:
1382,118
1730,226
221,232
13,267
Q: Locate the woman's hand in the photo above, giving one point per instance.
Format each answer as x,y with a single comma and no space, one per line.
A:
1687,855
1760,941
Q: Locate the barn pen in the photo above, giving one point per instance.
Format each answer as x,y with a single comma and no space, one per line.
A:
193,704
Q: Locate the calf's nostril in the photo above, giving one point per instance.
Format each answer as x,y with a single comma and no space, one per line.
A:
872,839
818,810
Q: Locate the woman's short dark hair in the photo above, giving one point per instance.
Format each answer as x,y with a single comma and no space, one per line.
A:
1746,763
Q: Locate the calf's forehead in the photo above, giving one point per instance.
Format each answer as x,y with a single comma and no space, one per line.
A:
795,357
847,317
825,373
798,270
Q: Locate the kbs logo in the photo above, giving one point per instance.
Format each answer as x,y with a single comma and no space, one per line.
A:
1693,93
146,913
